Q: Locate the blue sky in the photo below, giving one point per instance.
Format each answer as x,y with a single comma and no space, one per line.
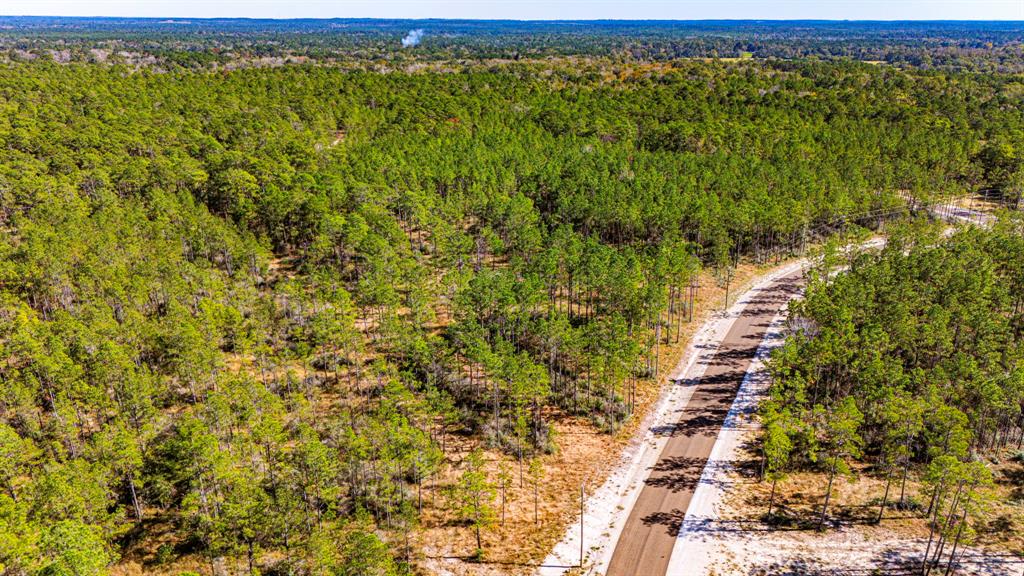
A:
533,9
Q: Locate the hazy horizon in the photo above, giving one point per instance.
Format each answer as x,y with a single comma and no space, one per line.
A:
171,18
573,10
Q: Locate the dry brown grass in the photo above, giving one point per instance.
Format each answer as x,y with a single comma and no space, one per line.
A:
855,503
855,500
979,203
586,455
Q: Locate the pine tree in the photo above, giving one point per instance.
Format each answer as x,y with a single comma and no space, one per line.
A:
776,447
840,441
474,498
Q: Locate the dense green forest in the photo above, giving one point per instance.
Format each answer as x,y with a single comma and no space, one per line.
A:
255,305
197,43
911,360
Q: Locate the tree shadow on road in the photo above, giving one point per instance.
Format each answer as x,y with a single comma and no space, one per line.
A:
672,521
677,473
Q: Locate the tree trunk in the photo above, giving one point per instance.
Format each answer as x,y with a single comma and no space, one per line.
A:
942,537
250,554
135,498
828,495
885,497
903,483
956,542
497,429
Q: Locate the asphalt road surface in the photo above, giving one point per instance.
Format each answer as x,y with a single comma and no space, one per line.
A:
647,539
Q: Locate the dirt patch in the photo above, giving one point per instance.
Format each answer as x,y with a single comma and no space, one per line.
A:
740,542
586,455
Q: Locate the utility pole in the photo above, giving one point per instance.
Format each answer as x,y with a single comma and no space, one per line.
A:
728,279
730,272
693,296
581,523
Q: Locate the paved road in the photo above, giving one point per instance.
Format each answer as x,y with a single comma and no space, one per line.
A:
649,534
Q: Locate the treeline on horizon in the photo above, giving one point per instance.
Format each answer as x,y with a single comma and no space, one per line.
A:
254,306
198,43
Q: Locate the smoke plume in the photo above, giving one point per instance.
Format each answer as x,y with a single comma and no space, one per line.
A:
412,38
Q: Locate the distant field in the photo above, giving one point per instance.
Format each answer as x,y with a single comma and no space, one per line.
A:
948,45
